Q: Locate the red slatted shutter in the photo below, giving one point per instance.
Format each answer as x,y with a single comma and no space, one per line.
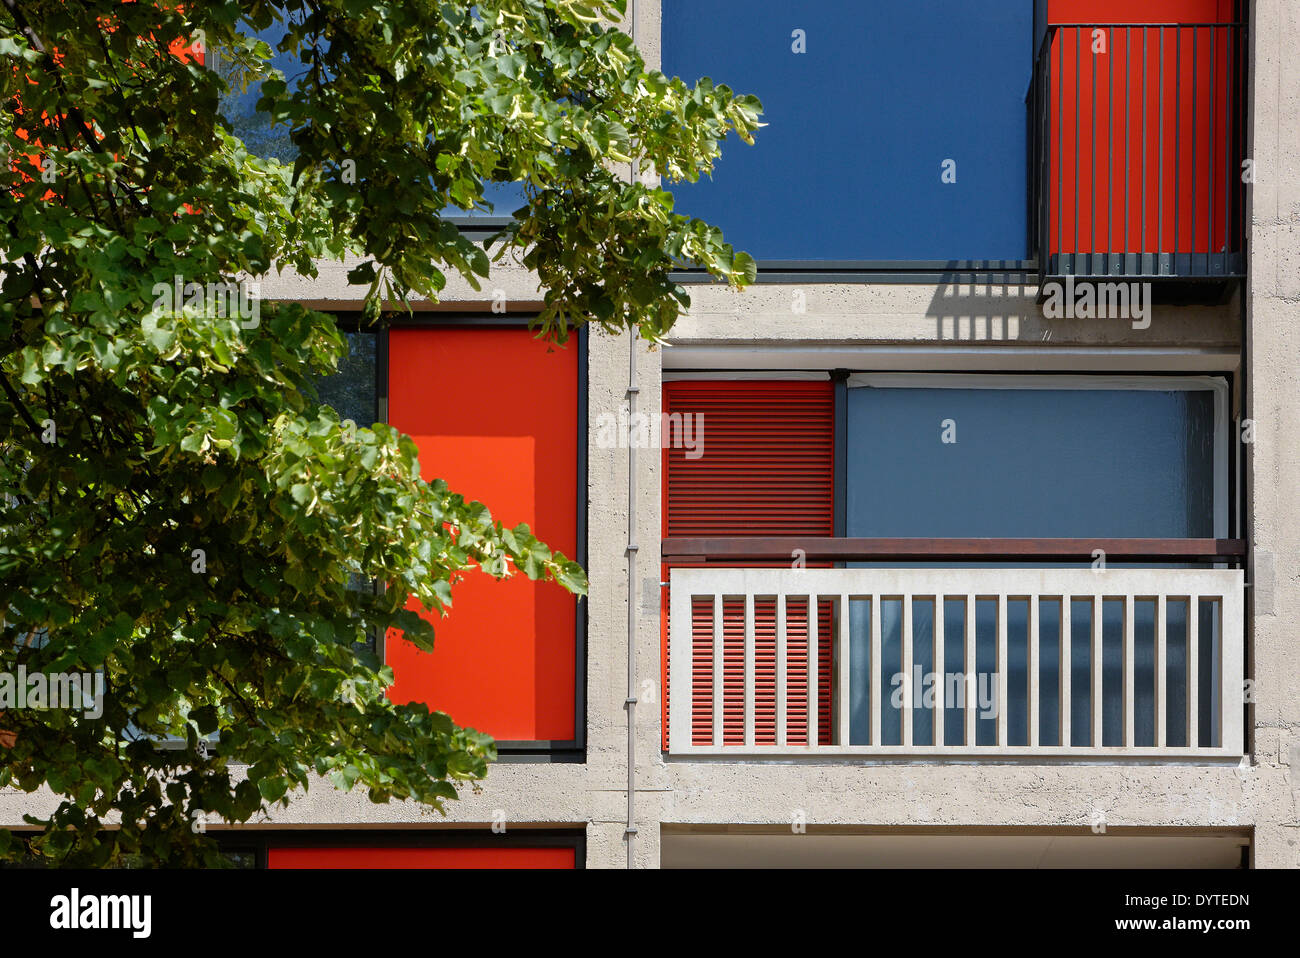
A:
763,464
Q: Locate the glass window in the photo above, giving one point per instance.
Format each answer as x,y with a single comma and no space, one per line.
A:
353,391
1050,458
862,123
1008,462
239,106
261,137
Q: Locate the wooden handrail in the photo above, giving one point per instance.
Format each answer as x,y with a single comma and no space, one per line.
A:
826,549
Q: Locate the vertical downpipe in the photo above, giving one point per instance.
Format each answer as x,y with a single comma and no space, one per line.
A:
629,832
630,702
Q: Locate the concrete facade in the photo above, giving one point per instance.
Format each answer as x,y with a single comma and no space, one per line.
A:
917,326
1273,460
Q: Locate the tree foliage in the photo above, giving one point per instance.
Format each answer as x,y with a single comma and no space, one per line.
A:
181,514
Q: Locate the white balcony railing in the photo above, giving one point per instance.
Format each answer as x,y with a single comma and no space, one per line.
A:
1075,663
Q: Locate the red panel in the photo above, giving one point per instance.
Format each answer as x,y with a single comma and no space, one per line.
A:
766,468
1147,11
504,658
1117,182
420,858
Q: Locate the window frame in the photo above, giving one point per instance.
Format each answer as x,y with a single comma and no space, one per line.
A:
510,750
259,842
1218,386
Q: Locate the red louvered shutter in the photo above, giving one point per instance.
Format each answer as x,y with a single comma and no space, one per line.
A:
765,466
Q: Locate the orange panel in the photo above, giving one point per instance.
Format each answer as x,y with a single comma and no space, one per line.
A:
504,658
420,858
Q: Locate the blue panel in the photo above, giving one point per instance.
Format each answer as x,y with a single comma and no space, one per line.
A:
1091,463
860,124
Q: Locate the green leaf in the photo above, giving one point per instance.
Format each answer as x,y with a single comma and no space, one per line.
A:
273,789
197,533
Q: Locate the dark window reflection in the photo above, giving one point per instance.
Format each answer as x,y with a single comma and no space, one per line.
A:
239,106
353,391
273,141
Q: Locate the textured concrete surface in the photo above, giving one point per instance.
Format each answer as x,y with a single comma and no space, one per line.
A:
1273,459
929,314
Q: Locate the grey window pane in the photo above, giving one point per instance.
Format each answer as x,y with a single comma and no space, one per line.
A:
273,141
352,392
1085,463
1035,463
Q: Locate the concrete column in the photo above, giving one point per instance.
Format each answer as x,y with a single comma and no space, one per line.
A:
1273,458
607,630
607,606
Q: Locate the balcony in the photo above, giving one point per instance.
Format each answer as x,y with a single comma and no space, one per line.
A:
1137,154
1114,664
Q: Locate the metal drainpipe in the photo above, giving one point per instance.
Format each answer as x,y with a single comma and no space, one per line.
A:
630,703
629,832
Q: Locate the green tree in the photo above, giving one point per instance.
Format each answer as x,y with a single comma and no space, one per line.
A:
181,513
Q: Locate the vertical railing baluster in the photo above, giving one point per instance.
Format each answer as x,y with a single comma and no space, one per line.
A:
681,657
1214,148
906,665
1092,174
1193,666
782,693
1161,669
1095,673
1110,149
1142,196
1060,152
970,695
940,670
1031,663
1065,672
878,697
1002,669
1160,154
1128,73
1196,159
719,673
1233,173
1178,139
1130,702
814,682
1075,251
750,692
846,670
1232,671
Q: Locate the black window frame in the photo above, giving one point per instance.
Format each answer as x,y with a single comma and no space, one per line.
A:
571,750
